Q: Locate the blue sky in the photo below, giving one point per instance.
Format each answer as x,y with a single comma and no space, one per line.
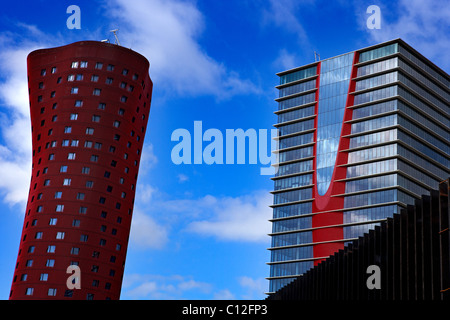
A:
199,231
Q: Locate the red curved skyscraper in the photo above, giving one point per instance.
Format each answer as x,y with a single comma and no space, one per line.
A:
89,104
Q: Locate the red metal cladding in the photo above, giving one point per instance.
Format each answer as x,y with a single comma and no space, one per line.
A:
89,106
329,208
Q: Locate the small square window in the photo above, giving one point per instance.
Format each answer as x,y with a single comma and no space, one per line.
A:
74,65
78,103
58,194
83,64
94,78
89,184
71,156
65,143
85,170
101,106
63,169
110,67
74,90
79,77
59,208
109,80
71,77
54,69
74,143
43,72
98,65
74,116
60,235
96,92
90,131
125,72
88,144
67,182
80,196
95,118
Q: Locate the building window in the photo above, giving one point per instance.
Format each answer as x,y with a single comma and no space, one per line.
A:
85,170
99,65
96,92
89,184
84,238
58,194
54,69
75,251
43,72
51,249
90,131
60,235
29,291
83,64
123,99
95,118
59,208
52,221
29,263
51,156
74,90
116,124
80,196
52,292
71,156
43,277
82,210
74,65
109,80
101,106
39,209
74,116
50,263
68,130
75,143
110,67
78,103
123,85
79,77
76,223
125,72
94,158
67,182
94,78
102,200
88,144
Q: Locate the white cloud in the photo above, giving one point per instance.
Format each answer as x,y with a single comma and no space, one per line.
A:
167,33
148,286
146,233
243,218
16,149
255,287
182,178
423,24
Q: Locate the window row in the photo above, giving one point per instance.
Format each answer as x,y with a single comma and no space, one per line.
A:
295,154
291,239
298,75
371,183
290,269
293,182
372,153
375,95
288,254
296,127
369,214
291,196
378,52
371,168
297,101
296,114
296,167
373,124
371,198
377,67
297,88
291,224
374,138
292,210
376,81
295,140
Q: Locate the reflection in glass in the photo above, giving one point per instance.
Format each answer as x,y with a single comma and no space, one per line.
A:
335,76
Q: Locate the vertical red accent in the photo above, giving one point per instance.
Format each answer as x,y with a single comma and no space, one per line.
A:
325,203
95,237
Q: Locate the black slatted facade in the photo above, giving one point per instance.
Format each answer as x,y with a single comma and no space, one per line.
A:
411,249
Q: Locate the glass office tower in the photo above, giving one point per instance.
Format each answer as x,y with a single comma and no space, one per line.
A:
361,135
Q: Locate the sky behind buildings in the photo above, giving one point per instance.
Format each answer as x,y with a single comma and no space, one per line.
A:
199,231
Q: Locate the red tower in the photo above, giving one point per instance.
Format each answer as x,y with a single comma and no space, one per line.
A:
89,105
